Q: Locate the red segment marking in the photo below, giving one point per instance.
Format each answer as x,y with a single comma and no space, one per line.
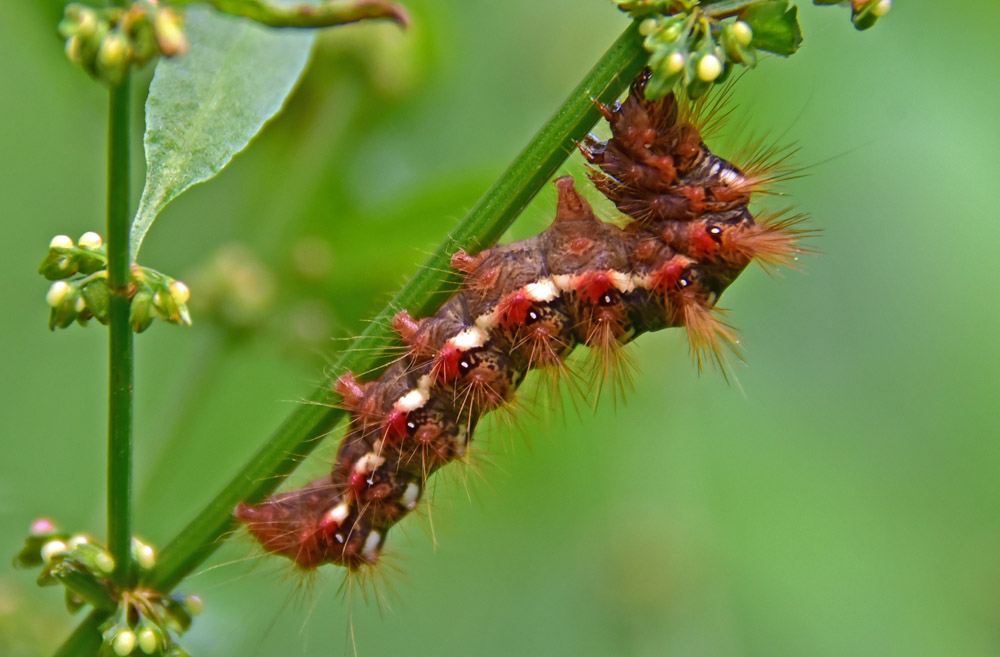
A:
446,363
513,309
394,428
665,278
703,245
593,285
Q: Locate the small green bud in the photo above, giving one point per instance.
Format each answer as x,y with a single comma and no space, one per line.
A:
98,298
148,639
194,604
124,643
113,57
742,32
674,62
51,550
709,67
94,557
144,554
141,311
648,26
57,293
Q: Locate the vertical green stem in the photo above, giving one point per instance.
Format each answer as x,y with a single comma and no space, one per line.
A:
120,352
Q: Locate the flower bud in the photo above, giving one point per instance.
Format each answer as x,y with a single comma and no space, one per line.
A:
52,549
42,527
742,32
140,314
144,554
148,638
57,293
195,605
881,8
180,292
98,298
61,242
89,240
124,643
709,68
76,540
94,557
170,36
113,57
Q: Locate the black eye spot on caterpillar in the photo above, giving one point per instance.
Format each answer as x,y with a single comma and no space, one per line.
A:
526,305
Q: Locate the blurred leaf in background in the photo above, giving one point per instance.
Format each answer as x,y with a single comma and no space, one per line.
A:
842,500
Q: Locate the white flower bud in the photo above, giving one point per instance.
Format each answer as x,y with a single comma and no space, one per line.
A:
57,292
79,304
90,240
709,68
61,242
77,539
51,549
881,8
743,33
124,643
180,292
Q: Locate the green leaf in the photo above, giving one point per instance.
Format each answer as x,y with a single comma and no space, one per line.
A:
775,26
206,106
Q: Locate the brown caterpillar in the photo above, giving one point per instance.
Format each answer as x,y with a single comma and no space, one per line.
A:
526,305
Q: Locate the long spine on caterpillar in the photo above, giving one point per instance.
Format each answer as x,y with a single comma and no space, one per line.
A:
526,305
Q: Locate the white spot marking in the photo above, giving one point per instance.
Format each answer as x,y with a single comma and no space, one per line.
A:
621,280
369,463
470,338
410,496
338,514
542,291
370,549
411,401
563,281
730,177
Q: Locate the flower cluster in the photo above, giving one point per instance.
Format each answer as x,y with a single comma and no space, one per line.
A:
106,42
80,291
864,13
697,43
139,618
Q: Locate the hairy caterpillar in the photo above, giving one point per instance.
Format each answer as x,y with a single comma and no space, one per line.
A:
526,305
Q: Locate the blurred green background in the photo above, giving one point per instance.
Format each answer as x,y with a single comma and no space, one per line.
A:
843,499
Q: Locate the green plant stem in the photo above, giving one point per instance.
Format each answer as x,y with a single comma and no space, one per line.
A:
305,427
120,351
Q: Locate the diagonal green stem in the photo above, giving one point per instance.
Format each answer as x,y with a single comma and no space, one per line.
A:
120,348
304,428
